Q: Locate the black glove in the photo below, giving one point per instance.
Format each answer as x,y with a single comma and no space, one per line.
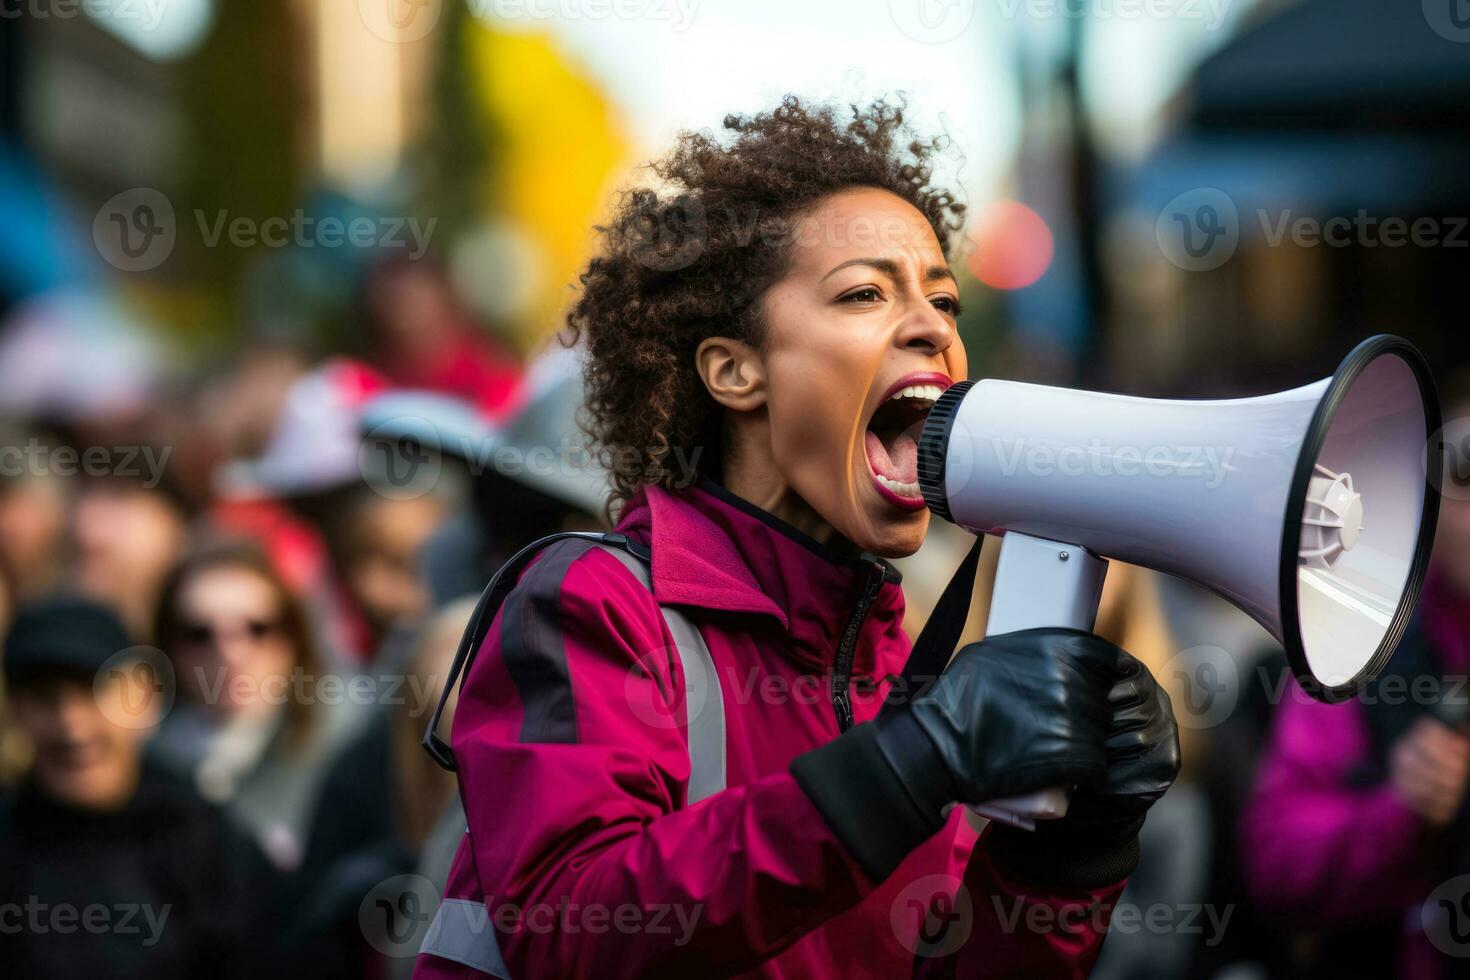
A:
1096,843
1014,714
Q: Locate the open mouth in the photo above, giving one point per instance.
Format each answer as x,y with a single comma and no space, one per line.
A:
892,438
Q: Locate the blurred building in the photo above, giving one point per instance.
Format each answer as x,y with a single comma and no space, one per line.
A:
1314,189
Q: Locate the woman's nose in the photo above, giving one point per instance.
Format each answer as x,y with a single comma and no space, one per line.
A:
925,329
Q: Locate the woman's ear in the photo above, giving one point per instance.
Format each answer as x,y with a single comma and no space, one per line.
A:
733,372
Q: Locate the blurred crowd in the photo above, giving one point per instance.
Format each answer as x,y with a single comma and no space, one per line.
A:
229,604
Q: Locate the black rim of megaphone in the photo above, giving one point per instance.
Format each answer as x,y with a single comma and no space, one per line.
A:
1291,533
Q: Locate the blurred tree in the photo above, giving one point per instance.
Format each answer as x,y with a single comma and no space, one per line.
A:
244,101
456,148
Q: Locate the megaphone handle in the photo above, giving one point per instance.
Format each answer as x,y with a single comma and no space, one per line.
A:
1040,583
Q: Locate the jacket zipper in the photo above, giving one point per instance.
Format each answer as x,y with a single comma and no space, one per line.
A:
842,666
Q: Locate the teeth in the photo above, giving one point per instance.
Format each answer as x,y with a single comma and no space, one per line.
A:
928,393
902,489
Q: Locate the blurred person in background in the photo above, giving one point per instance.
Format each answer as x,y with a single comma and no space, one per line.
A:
527,476
257,718
126,535
312,496
1360,810
377,543
108,869
35,510
424,338
382,805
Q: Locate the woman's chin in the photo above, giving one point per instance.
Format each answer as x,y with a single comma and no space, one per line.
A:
891,531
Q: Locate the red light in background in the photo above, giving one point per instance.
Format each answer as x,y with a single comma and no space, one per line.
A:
1012,246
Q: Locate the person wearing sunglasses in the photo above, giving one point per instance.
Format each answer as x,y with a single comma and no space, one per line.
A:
251,727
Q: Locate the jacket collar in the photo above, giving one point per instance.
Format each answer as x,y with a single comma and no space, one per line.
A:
714,550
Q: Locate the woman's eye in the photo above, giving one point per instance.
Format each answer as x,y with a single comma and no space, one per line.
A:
946,304
867,294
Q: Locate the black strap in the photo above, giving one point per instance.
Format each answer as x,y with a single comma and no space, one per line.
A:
490,602
940,634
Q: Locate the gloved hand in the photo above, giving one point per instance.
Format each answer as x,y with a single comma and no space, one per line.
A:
1096,843
1016,713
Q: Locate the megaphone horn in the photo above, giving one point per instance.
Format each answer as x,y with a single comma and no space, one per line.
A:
1312,510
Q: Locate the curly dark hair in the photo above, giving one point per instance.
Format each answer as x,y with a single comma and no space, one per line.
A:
690,258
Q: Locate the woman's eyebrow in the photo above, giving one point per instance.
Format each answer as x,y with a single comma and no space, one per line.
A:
890,269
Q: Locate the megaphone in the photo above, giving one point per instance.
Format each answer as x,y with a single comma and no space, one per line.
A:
1312,510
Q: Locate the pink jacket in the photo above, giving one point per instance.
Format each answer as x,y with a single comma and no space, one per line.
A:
583,856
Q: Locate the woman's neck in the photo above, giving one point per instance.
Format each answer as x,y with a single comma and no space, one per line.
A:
774,496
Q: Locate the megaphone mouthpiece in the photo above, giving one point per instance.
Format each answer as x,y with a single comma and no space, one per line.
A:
1331,520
